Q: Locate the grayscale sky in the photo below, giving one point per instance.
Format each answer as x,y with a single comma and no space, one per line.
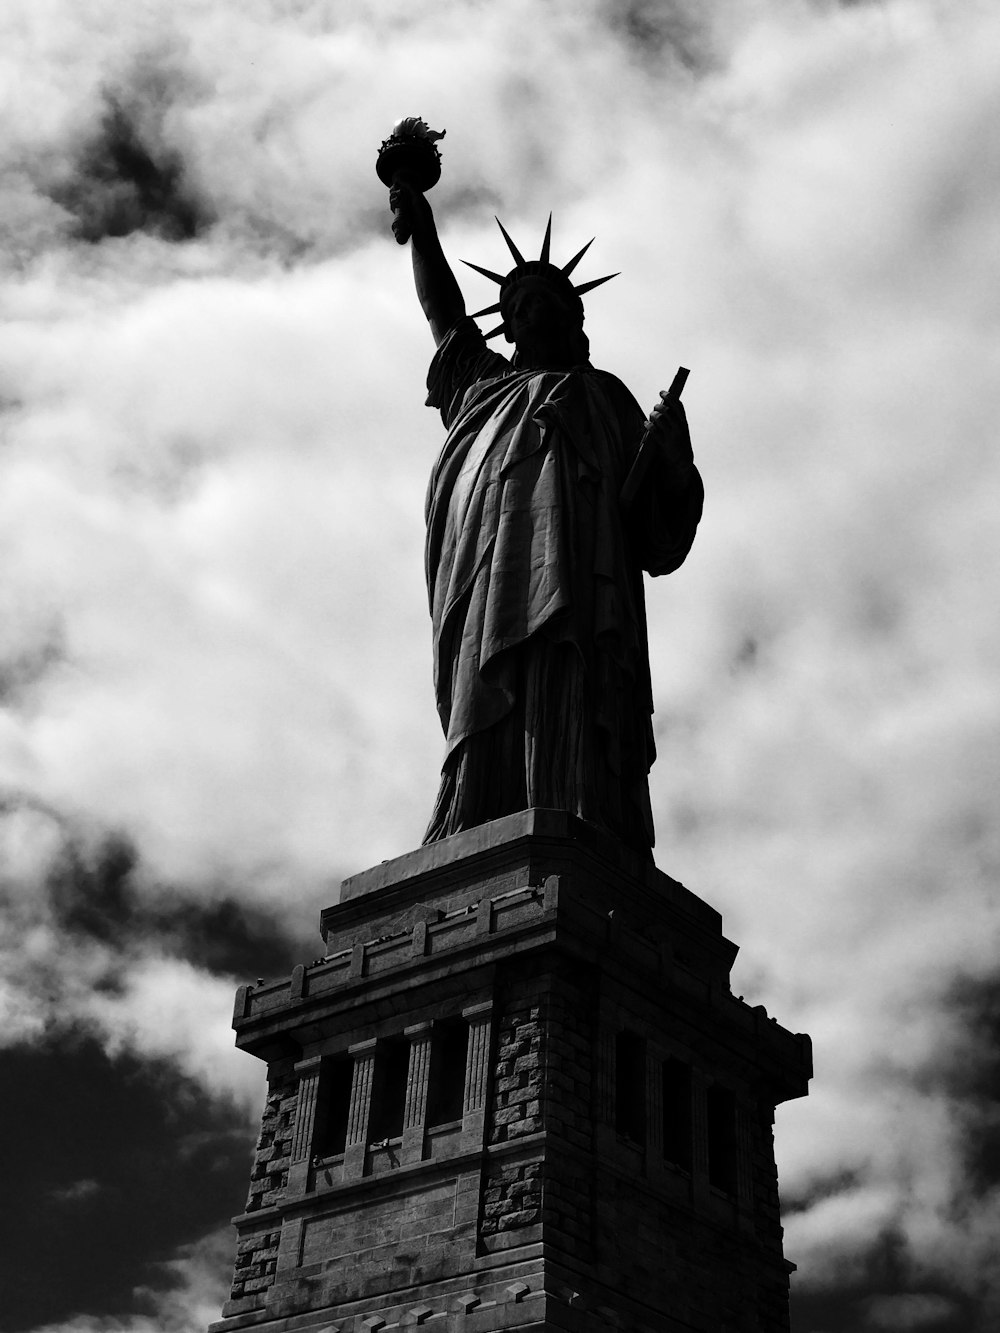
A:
215,678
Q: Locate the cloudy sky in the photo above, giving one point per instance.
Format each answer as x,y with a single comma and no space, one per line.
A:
215,692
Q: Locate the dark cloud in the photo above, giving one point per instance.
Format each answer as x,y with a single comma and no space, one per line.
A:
96,893
112,1165
922,1312
661,30
127,179
824,1187
821,1312
92,895
887,1289
973,1080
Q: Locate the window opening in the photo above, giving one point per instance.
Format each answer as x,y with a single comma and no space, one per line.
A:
630,1086
677,1113
449,1052
334,1108
392,1068
721,1108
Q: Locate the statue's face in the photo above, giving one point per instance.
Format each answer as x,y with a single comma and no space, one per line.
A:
536,313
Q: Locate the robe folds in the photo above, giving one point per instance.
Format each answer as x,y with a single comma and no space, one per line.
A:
541,664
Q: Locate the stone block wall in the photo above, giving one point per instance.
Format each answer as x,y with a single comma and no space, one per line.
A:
512,1185
256,1261
773,1294
271,1158
542,1079
257,1252
574,1182
520,1060
512,1198
570,1092
710,1275
569,1071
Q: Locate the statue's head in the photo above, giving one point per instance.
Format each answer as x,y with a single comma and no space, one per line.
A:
542,311
539,304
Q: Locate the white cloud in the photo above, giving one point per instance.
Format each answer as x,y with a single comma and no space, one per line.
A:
165,1008
213,483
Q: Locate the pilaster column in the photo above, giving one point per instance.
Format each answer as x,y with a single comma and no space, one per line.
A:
300,1153
417,1081
604,1127
654,1107
606,1076
477,1060
699,1139
363,1053
477,1072
305,1125
744,1166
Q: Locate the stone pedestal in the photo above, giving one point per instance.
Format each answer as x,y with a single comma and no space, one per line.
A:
516,1093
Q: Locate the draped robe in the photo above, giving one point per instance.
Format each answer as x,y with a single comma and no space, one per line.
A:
541,662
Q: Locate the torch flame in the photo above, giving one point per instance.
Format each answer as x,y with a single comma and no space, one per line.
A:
417,128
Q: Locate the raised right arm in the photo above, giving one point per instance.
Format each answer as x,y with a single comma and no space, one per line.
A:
437,289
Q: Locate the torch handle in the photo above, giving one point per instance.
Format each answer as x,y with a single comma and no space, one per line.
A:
400,224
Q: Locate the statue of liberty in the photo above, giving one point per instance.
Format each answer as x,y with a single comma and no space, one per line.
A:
534,564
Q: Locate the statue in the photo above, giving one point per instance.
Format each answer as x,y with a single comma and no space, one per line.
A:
534,563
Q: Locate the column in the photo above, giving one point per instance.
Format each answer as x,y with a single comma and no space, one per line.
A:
654,1112
744,1166
305,1125
477,1072
363,1053
699,1139
417,1080
604,1129
606,1075
303,1135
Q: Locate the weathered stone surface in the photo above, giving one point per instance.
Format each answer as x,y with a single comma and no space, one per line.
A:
535,1189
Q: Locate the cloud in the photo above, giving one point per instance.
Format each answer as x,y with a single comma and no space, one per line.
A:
124,183
77,1192
214,656
162,1007
120,1230
911,1310
191,1301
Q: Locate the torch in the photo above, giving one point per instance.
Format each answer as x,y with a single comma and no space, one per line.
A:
409,156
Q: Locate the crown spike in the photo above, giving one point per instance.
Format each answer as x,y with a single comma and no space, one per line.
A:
546,241
486,310
596,282
486,272
568,268
518,257
493,332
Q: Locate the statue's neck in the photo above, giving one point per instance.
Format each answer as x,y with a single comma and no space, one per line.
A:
555,354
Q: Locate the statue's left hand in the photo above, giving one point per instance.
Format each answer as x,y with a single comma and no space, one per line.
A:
669,429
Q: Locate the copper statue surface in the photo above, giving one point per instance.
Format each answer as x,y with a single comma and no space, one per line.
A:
534,563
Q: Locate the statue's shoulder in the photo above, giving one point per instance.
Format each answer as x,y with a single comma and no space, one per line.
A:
462,362
607,377
464,343
618,393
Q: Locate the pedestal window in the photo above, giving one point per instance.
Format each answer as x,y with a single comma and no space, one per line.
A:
630,1087
676,1112
449,1058
720,1107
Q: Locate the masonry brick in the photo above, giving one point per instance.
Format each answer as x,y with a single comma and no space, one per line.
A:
535,1191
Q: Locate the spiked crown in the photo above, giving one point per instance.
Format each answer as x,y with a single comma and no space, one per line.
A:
541,267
